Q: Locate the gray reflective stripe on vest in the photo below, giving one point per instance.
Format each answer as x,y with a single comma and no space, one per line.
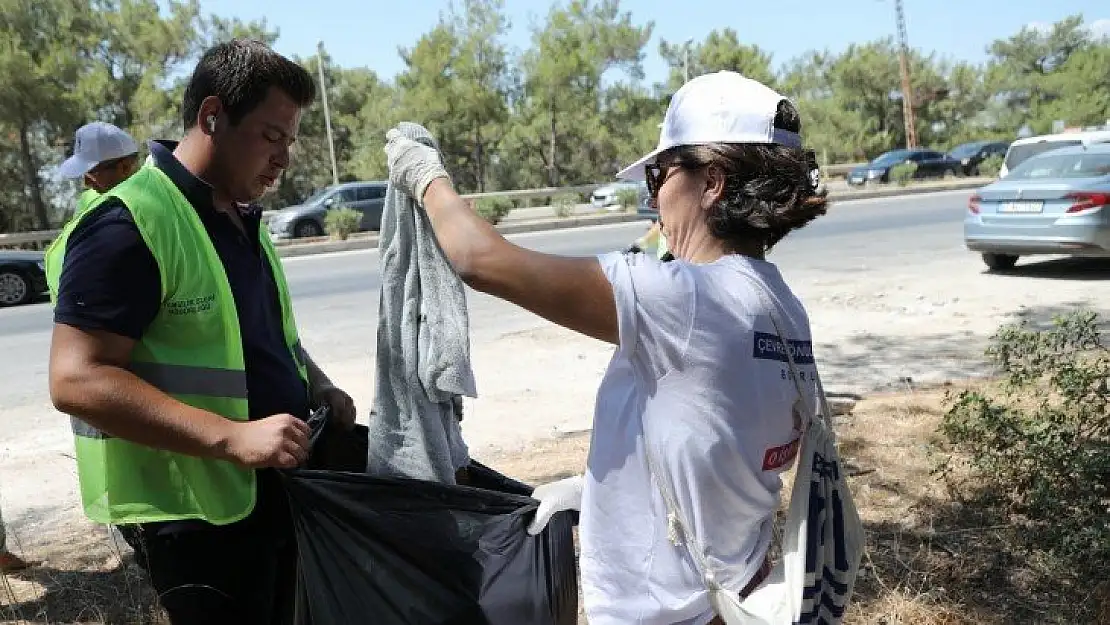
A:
178,380
189,380
80,428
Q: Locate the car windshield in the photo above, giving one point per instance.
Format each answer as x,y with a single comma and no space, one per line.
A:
1018,154
966,150
1080,165
896,156
319,195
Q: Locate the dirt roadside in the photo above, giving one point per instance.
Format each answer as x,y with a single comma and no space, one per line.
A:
928,561
877,330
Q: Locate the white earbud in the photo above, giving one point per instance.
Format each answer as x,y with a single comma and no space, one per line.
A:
211,123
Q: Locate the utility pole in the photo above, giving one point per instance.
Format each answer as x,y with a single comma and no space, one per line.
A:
327,113
904,63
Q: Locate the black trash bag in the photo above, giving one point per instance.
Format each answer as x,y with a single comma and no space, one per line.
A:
392,551
332,447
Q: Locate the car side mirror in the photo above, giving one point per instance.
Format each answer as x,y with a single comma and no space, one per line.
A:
328,202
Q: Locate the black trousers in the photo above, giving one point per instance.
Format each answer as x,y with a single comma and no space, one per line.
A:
243,573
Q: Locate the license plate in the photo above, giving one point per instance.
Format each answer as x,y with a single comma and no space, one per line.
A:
1021,207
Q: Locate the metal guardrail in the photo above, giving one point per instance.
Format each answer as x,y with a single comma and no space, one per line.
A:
24,238
528,194
520,194
41,238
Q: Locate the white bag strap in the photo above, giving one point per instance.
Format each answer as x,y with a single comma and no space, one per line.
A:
678,525
811,411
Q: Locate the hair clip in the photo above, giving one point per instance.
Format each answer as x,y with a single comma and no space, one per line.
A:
814,170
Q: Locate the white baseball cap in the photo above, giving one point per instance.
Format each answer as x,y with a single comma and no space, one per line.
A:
722,107
93,144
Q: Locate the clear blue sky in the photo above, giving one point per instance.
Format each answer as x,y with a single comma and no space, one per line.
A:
368,32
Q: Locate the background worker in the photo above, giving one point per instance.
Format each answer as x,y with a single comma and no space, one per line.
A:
104,156
652,242
176,351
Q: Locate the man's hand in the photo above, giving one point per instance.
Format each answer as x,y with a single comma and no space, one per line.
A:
412,165
343,410
324,391
279,441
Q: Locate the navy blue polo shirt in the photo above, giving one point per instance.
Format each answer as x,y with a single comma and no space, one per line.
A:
110,281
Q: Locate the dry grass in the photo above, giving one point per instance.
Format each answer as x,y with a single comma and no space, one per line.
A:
932,558
89,576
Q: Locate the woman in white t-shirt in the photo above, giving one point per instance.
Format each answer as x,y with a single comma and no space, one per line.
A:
699,381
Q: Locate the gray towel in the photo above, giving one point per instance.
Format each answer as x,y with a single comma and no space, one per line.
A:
423,347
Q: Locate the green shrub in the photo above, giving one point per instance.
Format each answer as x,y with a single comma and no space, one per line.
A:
902,173
1039,440
990,166
341,222
564,204
627,198
493,209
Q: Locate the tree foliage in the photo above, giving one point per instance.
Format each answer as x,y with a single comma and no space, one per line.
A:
571,108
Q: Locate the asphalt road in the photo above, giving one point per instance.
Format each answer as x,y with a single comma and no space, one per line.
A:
336,295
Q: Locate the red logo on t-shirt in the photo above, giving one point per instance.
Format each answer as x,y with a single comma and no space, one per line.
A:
778,457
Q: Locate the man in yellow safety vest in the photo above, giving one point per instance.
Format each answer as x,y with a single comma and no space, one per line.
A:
176,353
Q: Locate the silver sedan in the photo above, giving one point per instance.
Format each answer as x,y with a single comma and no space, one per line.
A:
1054,203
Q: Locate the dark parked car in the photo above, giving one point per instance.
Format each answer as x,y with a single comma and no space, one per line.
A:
971,154
22,277
930,164
307,219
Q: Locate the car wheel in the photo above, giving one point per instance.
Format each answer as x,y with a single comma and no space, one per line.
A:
999,262
14,288
307,228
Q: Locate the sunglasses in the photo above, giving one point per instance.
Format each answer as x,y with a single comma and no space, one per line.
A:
655,174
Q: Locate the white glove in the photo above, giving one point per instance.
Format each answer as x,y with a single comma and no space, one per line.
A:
412,165
566,494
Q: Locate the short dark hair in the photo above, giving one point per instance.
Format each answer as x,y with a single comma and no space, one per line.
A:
240,73
769,188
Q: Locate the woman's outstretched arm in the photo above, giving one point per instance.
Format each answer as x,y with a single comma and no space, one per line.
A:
571,292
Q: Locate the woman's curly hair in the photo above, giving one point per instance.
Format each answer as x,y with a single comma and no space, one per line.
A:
770,189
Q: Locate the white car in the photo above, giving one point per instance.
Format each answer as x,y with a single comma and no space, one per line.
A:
608,196
1022,149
